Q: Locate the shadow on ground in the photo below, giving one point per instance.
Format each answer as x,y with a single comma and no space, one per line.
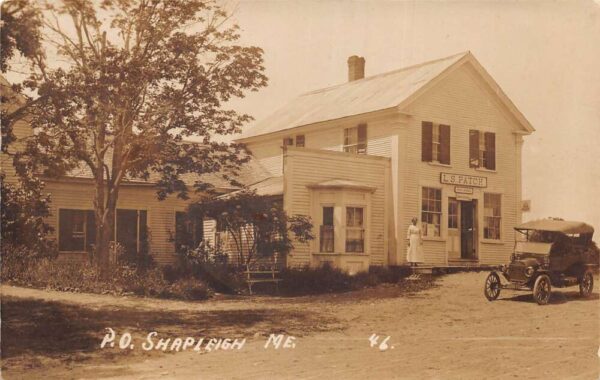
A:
34,330
556,298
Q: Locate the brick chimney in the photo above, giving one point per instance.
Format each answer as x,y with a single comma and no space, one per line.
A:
356,68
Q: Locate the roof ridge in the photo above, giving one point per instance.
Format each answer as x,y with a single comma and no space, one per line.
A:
386,73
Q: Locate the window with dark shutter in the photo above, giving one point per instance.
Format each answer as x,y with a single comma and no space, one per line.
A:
490,150
444,157
426,141
473,148
355,139
362,139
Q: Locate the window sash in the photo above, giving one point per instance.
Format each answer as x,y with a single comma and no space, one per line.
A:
355,139
327,238
492,216
431,211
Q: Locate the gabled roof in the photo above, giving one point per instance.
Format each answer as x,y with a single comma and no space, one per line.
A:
375,93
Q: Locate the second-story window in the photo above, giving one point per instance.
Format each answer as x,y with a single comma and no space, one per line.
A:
435,143
289,141
482,149
355,139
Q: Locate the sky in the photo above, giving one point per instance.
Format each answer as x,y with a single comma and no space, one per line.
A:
545,56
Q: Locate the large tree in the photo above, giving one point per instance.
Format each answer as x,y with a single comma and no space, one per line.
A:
133,80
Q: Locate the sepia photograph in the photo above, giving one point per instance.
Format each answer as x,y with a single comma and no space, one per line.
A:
300,189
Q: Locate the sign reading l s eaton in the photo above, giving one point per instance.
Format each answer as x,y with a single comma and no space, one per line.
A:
463,180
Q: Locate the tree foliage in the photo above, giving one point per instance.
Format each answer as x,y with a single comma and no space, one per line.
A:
258,225
135,79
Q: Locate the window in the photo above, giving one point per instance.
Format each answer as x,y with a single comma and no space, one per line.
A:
327,231
435,143
77,230
452,213
431,211
355,231
482,149
131,230
491,216
189,231
300,141
288,141
355,139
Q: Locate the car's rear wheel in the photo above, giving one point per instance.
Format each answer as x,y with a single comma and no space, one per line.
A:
492,286
586,284
542,289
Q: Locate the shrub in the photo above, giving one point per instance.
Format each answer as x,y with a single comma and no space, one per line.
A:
209,264
86,277
326,279
187,289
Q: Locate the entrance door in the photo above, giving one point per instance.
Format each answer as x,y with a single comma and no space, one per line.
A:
468,212
453,243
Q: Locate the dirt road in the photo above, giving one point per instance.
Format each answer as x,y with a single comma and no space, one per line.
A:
447,332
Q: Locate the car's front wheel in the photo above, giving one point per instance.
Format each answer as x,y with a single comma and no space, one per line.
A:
542,289
586,284
492,286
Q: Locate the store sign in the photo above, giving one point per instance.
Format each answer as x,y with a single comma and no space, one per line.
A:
463,180
463,190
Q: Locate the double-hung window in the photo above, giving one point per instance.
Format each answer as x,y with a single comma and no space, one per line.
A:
492,216
355,139
435,143
482,149
327,231
300,141
189,231
355,230
77,230
431,211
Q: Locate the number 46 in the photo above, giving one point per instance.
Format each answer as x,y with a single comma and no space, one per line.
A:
374,339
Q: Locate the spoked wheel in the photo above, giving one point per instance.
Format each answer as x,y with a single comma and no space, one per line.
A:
542,289
492,286
586,284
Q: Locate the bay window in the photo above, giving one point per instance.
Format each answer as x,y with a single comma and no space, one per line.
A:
355,231
327,231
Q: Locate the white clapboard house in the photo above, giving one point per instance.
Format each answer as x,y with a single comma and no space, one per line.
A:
439,141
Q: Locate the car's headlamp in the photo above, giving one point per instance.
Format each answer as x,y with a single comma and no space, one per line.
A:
529,271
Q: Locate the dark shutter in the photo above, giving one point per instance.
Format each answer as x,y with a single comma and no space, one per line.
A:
64,230
426,140
180,232
473,148
90,230
362,139
144,243
445,144
490,149
198,230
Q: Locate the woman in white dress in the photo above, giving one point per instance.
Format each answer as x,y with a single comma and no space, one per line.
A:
414,252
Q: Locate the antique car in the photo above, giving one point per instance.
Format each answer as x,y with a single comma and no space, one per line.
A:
552,252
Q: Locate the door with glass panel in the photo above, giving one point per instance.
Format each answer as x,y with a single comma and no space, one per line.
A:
453,241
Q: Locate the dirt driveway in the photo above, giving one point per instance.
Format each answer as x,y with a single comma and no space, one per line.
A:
447,332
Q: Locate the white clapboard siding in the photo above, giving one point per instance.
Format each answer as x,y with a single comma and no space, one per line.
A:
304,167
464,102
161,214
